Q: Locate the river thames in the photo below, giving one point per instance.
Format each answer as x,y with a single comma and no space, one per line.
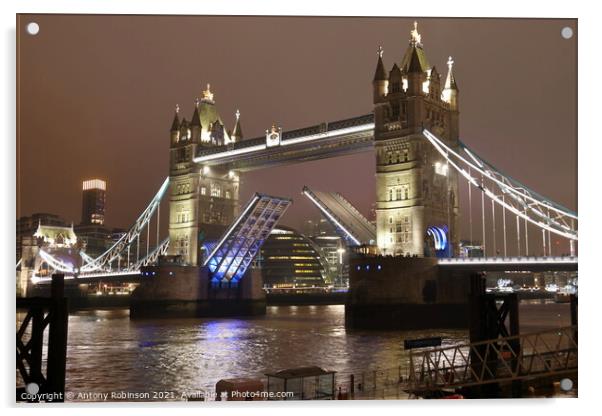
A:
108,352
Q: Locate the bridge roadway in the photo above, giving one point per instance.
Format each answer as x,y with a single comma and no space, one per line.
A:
477,264
510,264
113,277
320,141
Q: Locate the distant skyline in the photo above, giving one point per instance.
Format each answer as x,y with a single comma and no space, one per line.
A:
97,95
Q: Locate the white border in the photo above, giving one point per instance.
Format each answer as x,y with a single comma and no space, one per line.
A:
589,32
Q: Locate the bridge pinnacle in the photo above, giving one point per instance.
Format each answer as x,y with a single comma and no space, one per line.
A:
175,125
207,94
415,37
379,73
450,81
237,131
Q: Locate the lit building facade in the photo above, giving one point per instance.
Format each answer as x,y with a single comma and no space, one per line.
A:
203,201
95,239
416,191
60,242
93,201
290,260
334,251
27,226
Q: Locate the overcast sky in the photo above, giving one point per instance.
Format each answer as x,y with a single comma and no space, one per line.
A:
96,96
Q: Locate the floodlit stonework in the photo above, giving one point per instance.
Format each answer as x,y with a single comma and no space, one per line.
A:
416,191
203,201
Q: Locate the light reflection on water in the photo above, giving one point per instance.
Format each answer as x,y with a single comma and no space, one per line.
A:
108,352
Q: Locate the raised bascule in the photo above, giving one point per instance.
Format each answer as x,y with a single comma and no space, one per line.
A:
406,264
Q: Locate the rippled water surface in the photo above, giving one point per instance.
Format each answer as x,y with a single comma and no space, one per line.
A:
109,352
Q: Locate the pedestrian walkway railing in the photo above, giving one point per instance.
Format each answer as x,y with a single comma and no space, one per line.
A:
545,353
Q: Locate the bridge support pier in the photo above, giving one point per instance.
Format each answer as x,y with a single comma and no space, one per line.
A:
405,293
172,291
492,316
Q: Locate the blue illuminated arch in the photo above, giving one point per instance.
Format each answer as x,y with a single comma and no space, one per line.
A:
439,236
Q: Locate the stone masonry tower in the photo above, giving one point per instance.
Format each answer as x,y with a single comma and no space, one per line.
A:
416,191
203,200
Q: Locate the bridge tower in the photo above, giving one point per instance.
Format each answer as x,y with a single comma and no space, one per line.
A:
416,191
203,200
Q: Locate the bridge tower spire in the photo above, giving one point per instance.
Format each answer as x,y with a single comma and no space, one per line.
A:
203,199
450,92
417,204
237,130
380,80
175,125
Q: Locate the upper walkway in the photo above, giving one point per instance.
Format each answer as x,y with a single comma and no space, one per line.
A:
277,147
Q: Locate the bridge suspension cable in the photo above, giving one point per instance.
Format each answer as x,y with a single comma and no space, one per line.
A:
511,195
127,239
105,262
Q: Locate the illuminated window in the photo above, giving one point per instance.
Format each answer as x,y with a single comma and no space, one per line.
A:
227,194
441,168
216,190
203,190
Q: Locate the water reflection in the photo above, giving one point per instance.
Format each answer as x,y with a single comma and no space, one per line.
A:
109,352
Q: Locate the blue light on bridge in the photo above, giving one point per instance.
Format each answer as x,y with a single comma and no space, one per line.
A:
439,236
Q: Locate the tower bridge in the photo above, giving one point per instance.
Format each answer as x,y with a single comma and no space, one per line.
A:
420,160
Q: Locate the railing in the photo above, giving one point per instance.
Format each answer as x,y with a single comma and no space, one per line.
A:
380,383
508,260
546,353
43,314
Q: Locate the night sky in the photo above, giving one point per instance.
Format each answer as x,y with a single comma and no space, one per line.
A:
96,96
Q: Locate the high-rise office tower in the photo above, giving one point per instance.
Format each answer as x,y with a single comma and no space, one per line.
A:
93,201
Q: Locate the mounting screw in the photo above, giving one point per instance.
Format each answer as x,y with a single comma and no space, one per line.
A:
566,32
33,28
